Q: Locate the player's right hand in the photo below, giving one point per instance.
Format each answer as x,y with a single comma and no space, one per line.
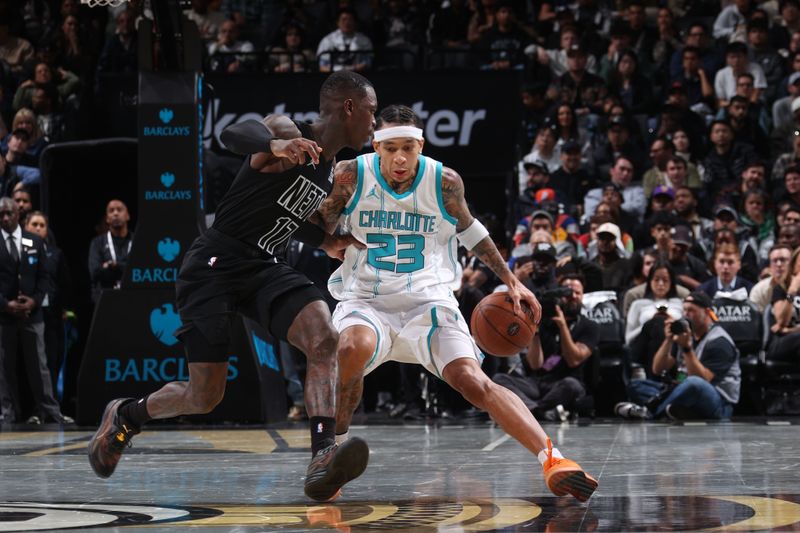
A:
335,245
295,150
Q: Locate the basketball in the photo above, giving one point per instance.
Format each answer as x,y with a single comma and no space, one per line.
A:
497,329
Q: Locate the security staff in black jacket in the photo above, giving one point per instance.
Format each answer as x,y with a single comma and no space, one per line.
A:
23,284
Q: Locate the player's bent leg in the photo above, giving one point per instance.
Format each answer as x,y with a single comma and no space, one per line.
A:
332,465
562,475
357,346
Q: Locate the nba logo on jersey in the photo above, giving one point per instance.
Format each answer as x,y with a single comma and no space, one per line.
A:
319,427
212,261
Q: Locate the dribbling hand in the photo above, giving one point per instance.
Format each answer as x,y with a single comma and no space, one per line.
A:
520,294
295,150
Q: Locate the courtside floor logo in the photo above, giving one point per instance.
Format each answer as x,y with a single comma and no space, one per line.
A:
671,513
164,129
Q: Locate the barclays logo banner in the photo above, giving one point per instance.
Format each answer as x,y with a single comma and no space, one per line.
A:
167,179
164,321
169,249
165,116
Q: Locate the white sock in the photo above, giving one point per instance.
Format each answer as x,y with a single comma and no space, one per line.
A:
543,455
343,437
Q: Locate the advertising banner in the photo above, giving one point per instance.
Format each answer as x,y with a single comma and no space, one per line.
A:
470,121
132,351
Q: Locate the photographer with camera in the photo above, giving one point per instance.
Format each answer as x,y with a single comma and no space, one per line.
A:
555,357
702,363
537,271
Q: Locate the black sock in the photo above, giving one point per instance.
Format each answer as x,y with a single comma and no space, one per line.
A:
135,412
323,432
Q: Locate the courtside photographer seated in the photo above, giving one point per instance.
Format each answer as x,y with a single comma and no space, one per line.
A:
699,368
553,381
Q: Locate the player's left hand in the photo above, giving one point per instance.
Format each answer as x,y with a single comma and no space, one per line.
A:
335,245
520,294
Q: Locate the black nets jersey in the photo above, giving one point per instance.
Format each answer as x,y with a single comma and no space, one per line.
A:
265,209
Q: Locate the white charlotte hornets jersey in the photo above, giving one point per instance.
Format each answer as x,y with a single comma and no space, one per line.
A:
410,237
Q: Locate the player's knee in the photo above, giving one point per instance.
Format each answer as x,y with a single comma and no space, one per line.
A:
354,352
473,385
321,344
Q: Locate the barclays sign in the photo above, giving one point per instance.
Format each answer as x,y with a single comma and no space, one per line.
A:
168,249
156,370
167,194
166,115
164,321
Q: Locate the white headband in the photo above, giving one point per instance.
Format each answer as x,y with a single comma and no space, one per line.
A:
397,132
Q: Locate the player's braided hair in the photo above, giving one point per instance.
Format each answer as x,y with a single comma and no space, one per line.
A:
398,114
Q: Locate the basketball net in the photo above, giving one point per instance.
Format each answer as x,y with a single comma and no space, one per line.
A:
95,3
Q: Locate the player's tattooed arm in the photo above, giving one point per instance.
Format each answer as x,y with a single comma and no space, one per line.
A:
345,176
456,205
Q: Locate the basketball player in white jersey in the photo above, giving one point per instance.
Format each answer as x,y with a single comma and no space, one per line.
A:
396,301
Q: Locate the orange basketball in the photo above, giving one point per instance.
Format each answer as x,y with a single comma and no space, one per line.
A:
497,329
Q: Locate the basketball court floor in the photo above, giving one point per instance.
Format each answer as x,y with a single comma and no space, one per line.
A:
741,476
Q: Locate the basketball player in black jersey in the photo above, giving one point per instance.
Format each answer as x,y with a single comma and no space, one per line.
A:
238,266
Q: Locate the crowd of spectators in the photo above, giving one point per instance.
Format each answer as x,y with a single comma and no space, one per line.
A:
658,171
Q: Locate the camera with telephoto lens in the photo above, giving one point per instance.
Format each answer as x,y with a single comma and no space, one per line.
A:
680,326
549,299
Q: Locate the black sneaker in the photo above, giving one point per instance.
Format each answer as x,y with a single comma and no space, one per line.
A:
334,466
110,440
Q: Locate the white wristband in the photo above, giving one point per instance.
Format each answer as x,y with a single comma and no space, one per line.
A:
474,234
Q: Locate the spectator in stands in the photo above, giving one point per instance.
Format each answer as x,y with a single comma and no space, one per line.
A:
256,21
787,159
537,271
629,83
789,234
784,344
680,173
557,59
746,130
643,262
765,56
66,83
555,358
580,88
448,29
14,51
22,197
782,107
756,110
617,143
693,78
72,52
703,363
725,160
621,175
544,151
505,40
588,240
665,45
684,149
686,210
756,215
108,253
660,292
24,283
676,115
345,48
569,129
208,21
617,270
25,119
571,180
782,136
534,113
294,55
738,62
696,36
787,23
52,123
483,14
657,231
791,186
726,264
732,18
229,54
661,151
544,221
55,265
12,167
119,53
690,271
779,257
